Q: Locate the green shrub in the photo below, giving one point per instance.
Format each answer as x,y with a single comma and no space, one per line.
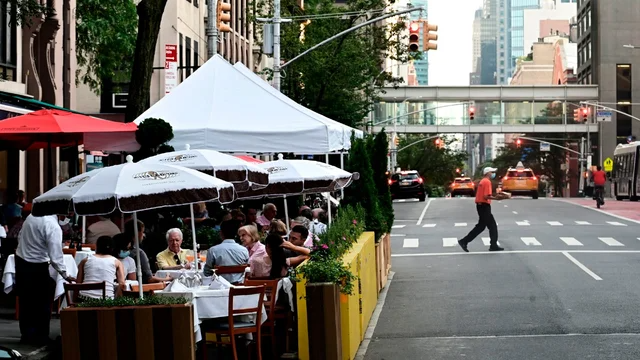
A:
378,149
205,235
128,301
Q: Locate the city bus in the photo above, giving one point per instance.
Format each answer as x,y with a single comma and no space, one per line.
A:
626,184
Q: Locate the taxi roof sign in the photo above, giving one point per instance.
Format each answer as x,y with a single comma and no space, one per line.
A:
520,165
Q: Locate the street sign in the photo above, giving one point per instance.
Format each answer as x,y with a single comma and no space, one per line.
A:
608,165
604,115
545,146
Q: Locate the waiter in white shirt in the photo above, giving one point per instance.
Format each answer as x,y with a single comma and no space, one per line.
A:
39,245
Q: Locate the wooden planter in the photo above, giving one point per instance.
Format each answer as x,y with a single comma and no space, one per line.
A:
135,332
323,321
383,260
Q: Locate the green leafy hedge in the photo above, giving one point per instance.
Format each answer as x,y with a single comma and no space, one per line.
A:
128,301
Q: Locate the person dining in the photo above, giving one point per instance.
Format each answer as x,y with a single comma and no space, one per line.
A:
278,227
102,266
103,227
251,240
147,275
200,213
227,253
173,257
121,251
295,250
39,243
268,214
272,263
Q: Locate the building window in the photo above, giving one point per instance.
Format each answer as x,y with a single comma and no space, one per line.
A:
8,46
195,3
196,55
188,54
623,82
180,57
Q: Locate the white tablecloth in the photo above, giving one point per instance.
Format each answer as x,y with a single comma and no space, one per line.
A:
81,255
213,304
9,275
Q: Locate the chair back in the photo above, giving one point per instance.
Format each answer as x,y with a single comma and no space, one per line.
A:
71,252
270,294
235,269
246,291
149,287
72,300
90,246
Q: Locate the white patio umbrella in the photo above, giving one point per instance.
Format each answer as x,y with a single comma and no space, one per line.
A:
132,187
293,177
243,175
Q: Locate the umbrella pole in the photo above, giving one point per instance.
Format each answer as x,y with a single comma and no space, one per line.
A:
193,236
49,164
329,208
286,213
342,167
137,245
84,229
76,160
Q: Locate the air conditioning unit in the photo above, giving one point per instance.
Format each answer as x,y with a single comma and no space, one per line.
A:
119,100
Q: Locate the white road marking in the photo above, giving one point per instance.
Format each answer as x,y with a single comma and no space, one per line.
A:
520,252
398,235
487,241
449,242
402,200
581,266
523,223
429,225
410,243
610,241
460,224
506,206
530,241
615,223
571,241
554,223
398,226
515,212
583,223
424,211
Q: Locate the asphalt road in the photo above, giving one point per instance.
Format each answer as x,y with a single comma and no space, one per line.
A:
566,286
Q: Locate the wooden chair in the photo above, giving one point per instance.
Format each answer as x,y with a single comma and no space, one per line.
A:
232,328
270,291
76,288
71,252
235,269
147,289
90,246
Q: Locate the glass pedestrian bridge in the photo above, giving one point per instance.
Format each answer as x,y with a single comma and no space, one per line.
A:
496,109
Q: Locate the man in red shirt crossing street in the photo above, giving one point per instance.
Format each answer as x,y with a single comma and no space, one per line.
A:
599,180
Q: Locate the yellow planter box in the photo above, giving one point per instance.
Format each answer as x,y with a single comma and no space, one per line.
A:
357,309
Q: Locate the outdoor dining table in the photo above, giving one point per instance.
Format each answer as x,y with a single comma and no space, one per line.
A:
9,275
82,254
174,274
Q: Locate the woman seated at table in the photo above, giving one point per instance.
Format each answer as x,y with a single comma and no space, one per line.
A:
101,267
200,214
251,240
121,251
272,264
277,227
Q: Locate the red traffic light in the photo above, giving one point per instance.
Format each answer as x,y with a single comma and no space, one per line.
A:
472,109
437,141
585,111
414,26
458,170
518,142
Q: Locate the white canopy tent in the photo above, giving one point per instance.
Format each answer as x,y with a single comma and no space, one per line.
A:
220,108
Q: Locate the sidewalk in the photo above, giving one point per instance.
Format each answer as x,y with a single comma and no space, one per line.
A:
625,209
10,336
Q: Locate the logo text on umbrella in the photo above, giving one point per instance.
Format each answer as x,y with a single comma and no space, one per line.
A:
80,181
276,169
178,158
155,175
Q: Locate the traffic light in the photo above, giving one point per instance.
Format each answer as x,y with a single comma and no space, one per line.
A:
396,140
472,113
458,170
576,115
428,36
222,17
438,142
585,114
414,36
518,142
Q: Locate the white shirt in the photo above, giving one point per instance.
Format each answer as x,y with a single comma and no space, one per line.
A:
40,241
129,265
317,227
104,227
99,269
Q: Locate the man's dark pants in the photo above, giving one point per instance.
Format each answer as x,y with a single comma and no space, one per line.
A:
485,220
35,290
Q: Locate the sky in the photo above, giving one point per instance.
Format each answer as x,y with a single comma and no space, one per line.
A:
451,63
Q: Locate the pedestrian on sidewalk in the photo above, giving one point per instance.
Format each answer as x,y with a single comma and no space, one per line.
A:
485,218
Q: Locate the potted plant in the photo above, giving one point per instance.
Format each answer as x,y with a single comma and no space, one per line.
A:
125,328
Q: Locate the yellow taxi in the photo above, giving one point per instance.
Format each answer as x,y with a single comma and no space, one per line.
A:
462,186
520,181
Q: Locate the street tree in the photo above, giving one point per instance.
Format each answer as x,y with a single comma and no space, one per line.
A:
149,18
105,41
336,79
436,163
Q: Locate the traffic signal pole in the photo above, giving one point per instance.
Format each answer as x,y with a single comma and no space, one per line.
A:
211,31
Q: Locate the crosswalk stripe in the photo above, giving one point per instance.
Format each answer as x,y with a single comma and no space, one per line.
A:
398,226
554,223
402,200
530,241
583,223
523,223
461,224
429,225
487,241
449,242
410,243
398,235
610,241
615,223
571,241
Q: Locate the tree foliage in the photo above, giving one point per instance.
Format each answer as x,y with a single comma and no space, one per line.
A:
105,41
364,191
153,135
335,80
436,164
21,12
378,150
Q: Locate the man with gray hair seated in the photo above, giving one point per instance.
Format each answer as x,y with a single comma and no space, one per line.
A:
174,257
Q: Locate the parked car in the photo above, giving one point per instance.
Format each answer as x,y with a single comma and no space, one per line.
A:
407,184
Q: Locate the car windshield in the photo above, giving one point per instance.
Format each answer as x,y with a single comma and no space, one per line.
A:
402,177
462,181
520,174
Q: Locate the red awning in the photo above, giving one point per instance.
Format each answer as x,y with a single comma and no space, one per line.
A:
249,159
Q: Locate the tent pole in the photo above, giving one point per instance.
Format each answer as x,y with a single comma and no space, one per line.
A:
49,164
137,245
342,167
